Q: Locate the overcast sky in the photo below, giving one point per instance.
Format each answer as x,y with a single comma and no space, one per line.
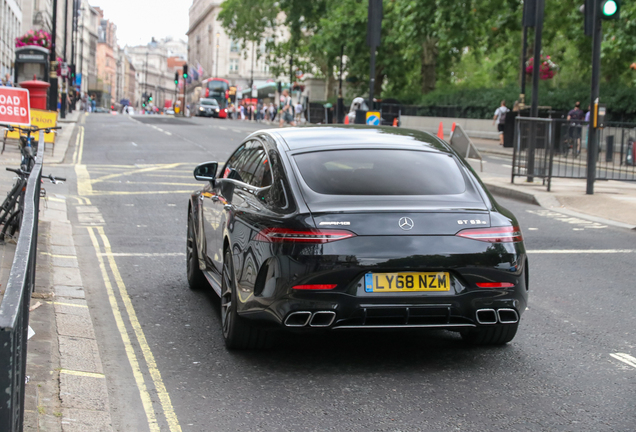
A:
139,20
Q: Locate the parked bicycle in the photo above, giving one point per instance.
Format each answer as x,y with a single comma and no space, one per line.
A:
12,207
27,140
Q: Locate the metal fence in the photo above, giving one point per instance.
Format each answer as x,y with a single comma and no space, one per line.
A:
549,148
14,309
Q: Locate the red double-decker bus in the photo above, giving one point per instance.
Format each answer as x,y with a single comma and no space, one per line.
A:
219,89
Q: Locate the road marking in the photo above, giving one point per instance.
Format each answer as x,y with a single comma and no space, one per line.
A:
133,144
134,254
83,374
84,186
79,146
506,166
69,304
237,130
625,358
57,256
567,219
56,199
164,397
136,171
130,352
167,133
111,193
222,127
154,183
581,251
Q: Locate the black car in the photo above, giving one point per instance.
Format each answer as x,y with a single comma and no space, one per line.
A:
354,228
207,107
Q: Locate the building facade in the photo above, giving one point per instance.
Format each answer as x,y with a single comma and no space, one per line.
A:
218,55
86,49
10,28
106,62
155,76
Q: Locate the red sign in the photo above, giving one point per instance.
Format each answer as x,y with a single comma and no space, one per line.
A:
14,106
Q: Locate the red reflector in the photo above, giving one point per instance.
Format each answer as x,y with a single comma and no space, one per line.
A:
279,235
315,287
495,284
494,234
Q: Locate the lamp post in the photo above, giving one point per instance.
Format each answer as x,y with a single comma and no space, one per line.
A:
216,74
53,62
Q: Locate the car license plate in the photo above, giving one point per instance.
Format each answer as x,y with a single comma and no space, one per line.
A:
406,282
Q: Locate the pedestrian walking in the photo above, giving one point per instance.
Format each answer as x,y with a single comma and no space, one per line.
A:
7,81
271,112
299,112
500,119
575,116
287,110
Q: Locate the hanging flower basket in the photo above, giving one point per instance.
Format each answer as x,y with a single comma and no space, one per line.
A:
35,38
547,68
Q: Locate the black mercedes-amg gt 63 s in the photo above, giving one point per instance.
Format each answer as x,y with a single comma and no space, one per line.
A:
329,228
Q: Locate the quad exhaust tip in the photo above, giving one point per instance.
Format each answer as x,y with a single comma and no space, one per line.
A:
502,316
298,319
507,316
322,319
315,319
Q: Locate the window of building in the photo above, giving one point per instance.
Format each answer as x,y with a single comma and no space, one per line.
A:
234,64
235,46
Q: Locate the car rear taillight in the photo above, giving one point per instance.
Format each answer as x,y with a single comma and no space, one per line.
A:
493,234
315,287
280,235
495,284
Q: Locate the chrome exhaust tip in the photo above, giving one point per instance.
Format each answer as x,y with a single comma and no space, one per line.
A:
298,319
507,316
486,316
322,319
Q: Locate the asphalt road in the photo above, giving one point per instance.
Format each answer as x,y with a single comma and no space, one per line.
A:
134,178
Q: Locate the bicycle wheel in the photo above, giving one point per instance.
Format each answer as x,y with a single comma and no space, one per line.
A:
12,225
10,202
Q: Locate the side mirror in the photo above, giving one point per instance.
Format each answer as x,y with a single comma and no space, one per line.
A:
206,171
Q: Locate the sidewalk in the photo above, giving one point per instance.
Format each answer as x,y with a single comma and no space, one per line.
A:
613,202
66,388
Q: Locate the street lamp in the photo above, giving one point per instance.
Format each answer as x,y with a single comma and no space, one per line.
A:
218,35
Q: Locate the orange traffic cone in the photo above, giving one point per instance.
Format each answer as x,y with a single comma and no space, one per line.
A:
395,122
440,131
346,120
452,132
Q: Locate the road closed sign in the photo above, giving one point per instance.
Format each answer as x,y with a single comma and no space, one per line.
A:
14,106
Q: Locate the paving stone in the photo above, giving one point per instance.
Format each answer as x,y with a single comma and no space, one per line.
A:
73,325
62,250
79,354
63,306
69,292
79,420
83,392
66,276
64,261
61,240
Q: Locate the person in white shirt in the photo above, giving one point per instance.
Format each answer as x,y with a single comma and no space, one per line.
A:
500,118
299,111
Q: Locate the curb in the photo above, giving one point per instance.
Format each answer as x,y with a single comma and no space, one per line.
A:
549,202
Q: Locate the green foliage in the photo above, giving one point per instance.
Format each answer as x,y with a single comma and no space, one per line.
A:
461,45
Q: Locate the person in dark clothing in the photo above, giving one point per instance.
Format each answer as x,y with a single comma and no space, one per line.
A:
575,116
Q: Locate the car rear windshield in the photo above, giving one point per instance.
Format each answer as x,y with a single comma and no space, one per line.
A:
380,172
209,102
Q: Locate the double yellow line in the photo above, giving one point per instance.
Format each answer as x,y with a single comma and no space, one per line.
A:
104,251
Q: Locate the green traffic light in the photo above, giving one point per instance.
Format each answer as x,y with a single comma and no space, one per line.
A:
609,8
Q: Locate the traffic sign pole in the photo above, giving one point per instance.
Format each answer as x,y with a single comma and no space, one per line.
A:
592,144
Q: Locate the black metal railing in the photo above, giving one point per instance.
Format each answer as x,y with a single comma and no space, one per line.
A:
549,148
14,309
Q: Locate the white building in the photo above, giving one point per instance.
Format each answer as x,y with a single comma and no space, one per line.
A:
86,49
10,28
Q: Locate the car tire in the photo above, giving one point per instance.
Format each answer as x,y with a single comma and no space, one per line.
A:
495,335
238,332
196,278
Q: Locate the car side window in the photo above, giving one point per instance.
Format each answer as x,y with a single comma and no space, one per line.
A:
248,166
232,161
263,173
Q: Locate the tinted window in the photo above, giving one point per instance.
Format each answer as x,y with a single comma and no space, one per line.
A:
232,162
209,102
380,172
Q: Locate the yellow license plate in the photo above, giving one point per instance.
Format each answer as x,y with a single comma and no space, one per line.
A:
406,282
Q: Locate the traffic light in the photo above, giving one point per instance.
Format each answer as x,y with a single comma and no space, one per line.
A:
185,71
176,78
150,98
610,9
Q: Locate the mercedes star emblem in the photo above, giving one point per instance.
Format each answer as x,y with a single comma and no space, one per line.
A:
406,223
